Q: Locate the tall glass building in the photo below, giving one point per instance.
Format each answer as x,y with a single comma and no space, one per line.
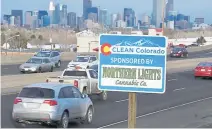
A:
93,10
45,21
63,15
18,14
129,17
52,12
158,12
86,4
58,9
6,19
169,7
72,19
103,17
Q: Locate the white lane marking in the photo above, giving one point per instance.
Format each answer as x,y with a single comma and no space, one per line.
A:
179,89
5,68
121,100
172,80
159,111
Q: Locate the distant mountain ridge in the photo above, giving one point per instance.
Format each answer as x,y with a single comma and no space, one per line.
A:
139,43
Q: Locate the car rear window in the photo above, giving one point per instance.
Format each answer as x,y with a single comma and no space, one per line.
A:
205,64
37,93
43,54
75,73
177,49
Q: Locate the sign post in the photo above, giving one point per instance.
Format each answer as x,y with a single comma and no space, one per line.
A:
133,64
132,110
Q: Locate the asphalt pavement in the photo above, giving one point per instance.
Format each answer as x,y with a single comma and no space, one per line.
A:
14,68
195,114
181,88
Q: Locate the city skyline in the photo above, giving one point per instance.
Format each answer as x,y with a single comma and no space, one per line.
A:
194,10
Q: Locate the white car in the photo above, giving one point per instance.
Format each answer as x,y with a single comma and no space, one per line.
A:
86,80
83,61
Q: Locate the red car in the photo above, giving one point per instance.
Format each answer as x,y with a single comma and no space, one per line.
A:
203,69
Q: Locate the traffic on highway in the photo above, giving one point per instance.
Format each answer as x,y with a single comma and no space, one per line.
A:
75,98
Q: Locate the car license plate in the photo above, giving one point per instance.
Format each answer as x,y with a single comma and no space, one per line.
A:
32,105
202,69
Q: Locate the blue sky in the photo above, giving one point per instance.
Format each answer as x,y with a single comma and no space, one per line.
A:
194,8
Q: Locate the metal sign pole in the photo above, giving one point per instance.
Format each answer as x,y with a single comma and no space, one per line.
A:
132,110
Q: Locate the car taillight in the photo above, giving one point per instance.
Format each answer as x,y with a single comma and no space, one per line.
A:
76,83
17,100
50,102
47,80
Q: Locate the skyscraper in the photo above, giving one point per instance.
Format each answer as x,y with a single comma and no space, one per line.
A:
86,4
93,14
72,19
12,20
169,7
19,15
103,17
6,19
80,22
129,17
28,18
41,14
158,12
51,12
114,18
45,21
63,15
35,23
58,9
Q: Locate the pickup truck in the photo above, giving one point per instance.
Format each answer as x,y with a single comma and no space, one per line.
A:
83,60
86,80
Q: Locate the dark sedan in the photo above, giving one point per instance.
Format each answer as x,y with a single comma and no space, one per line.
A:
179,52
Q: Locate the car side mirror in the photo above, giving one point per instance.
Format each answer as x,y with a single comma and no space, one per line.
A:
84,96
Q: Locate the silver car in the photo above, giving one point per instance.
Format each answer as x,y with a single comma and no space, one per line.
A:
53,56
53,104
37,64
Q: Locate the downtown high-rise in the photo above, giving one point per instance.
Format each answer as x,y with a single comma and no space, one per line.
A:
158,14
86,5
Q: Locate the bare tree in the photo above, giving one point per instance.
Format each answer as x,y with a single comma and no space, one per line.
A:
3,38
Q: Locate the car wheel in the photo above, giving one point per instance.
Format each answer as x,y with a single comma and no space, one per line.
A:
51,69
39,70
84,91
58,64
103,95
64,121
89,116
196,77
22,72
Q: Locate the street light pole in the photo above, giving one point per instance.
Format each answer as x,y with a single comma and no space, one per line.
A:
163,15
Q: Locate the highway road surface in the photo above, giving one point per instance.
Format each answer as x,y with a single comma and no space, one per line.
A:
194,114
14,68
181,88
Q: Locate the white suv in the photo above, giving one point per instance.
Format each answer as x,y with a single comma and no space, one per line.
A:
54,56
